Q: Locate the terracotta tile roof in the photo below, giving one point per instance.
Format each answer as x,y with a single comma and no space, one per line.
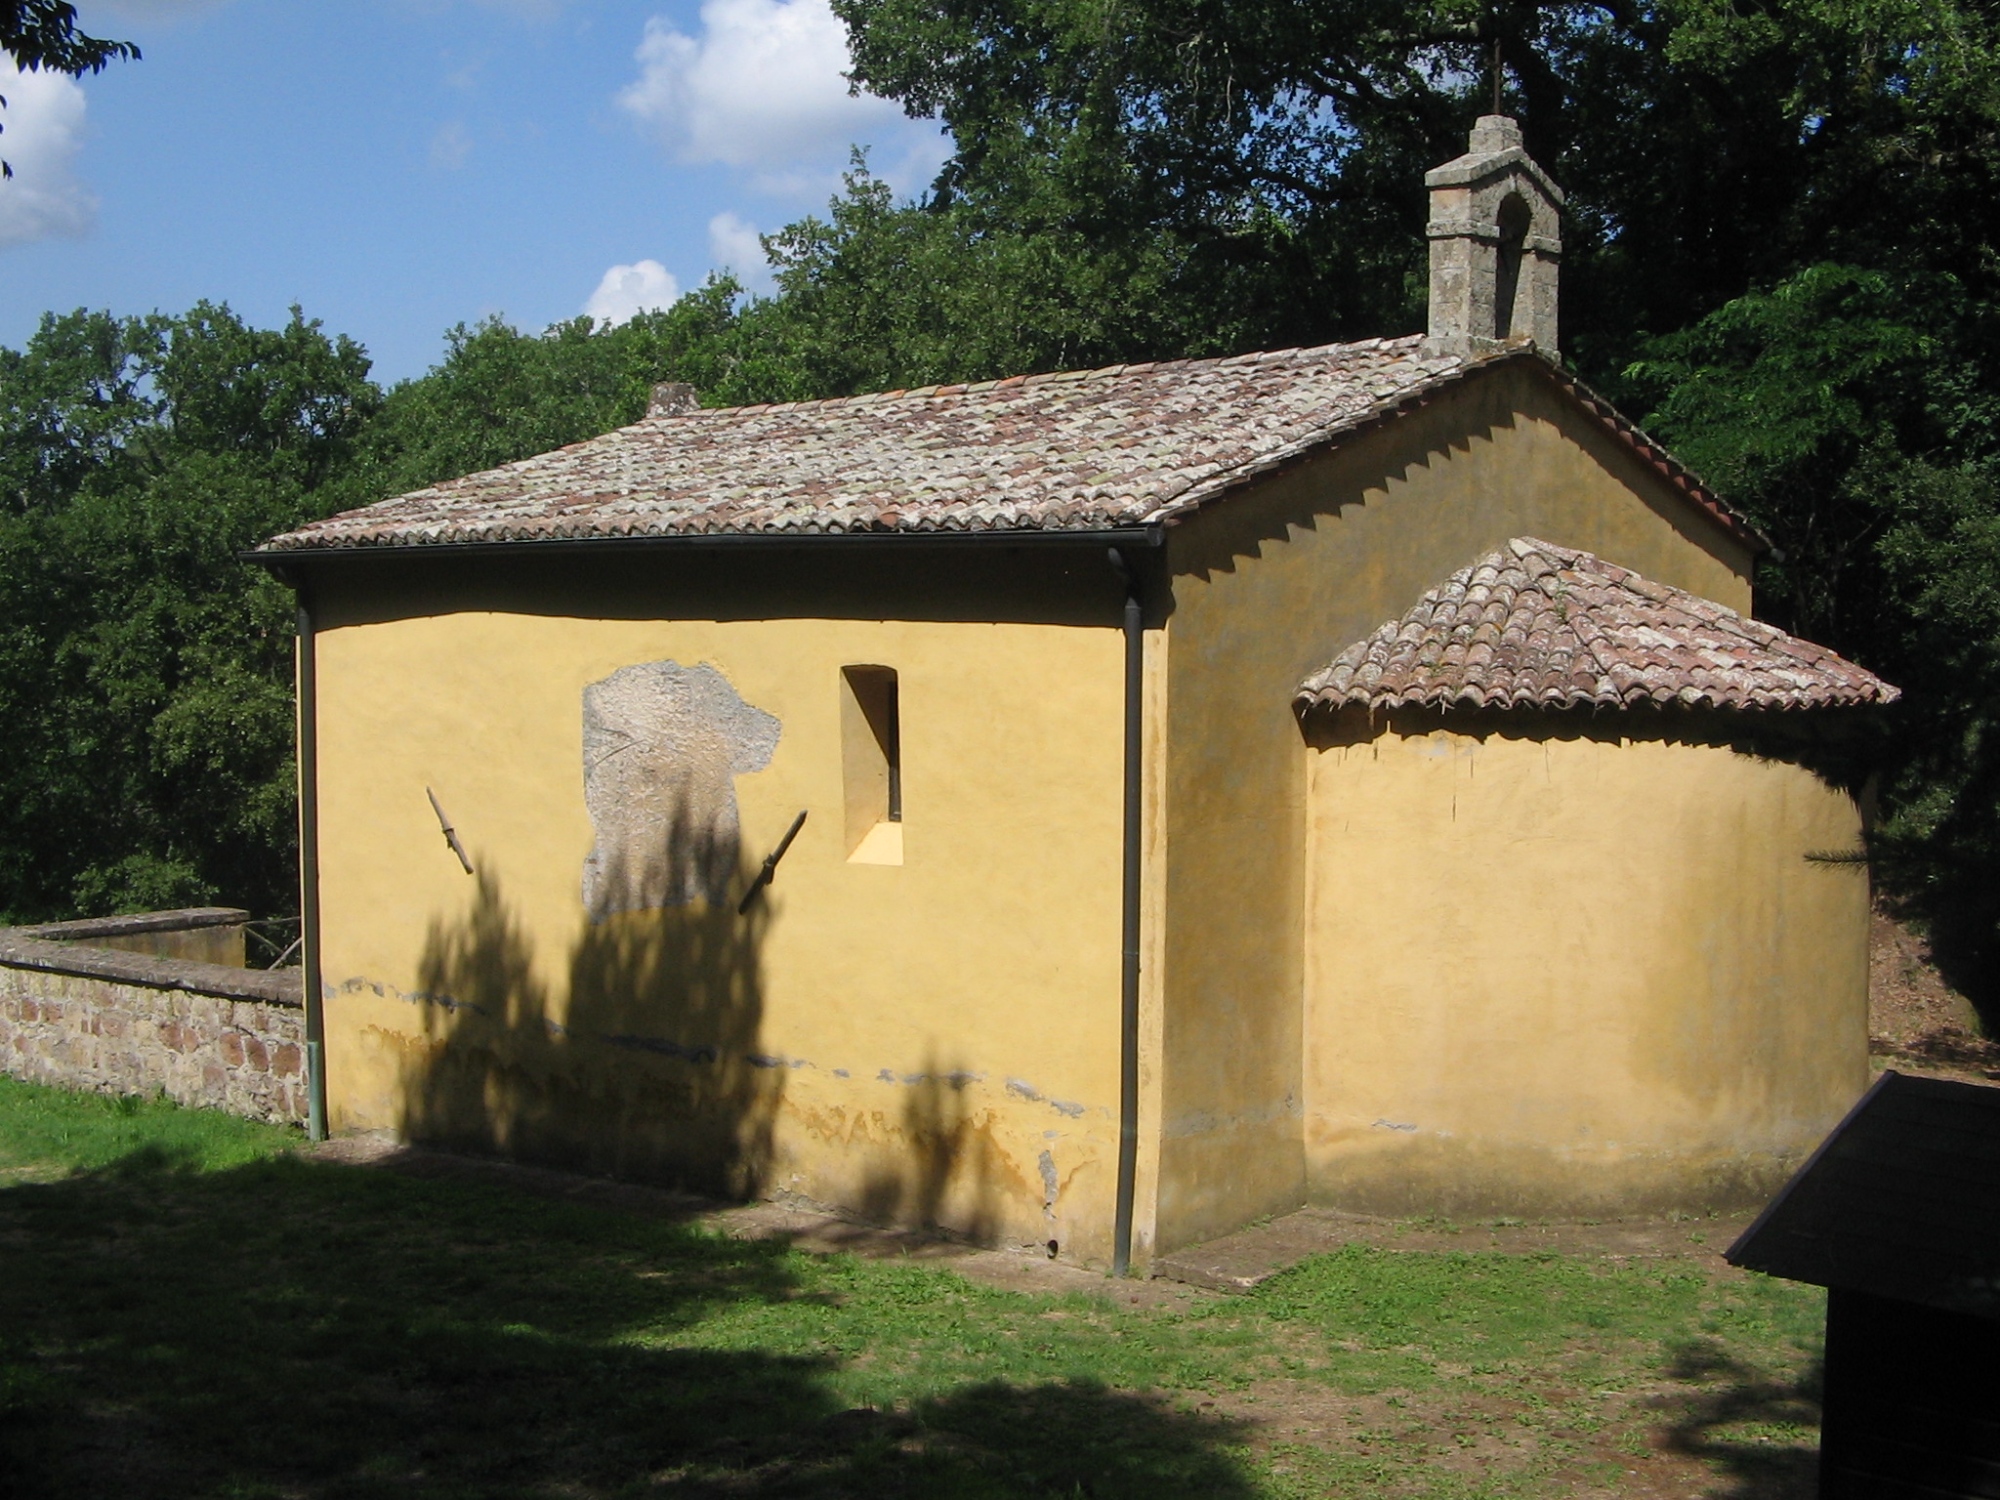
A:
1134,445
1542,626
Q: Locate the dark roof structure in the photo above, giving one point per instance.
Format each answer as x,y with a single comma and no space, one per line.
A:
1535,625
1901,1201
1129,446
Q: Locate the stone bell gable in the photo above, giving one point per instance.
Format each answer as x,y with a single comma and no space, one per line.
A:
1496,243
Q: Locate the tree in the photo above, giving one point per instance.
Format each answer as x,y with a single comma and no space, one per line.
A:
500,394
1854,415
42,34
877,296
1708,148
1800,402
1780,250
1939,849
145,707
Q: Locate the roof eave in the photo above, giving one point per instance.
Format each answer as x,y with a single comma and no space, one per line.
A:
283,561
1318,702
1677,474
1663,462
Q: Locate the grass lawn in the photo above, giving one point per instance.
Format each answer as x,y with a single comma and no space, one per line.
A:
189,1309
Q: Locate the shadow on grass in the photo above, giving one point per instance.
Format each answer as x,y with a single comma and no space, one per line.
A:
300,1329
1745,1424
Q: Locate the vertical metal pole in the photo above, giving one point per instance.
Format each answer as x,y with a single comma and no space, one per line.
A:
1128,1029
315,1091
309,936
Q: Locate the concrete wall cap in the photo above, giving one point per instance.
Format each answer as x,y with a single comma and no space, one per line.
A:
270,986
184,919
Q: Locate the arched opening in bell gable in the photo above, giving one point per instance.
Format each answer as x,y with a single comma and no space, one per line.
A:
1512,221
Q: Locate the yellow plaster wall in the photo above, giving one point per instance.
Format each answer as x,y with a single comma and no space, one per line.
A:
1268,586
1561,972
935,1040
1011,722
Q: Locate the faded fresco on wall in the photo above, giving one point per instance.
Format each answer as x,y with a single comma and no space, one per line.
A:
663,745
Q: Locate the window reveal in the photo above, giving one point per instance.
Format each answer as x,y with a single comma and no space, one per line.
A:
872,764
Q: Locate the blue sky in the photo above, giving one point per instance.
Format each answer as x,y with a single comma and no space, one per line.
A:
398,166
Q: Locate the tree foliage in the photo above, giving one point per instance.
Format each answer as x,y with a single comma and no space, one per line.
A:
1708,148
42,34
1780,253
1854,415
876,296
145,706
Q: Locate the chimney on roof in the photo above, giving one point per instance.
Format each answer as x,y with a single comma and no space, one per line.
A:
1496,241
672,398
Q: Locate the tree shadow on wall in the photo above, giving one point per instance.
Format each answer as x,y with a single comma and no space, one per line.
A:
947,1161
653,1069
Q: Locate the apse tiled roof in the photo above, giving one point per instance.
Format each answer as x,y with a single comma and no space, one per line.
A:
1541,626
1133,445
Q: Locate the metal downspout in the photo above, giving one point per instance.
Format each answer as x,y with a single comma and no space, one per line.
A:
309,950
1128,1034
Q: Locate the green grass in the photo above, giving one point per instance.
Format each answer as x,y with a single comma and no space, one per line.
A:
44,1131
187,1309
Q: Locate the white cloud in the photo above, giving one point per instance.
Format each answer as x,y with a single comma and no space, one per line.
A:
450,146
733,246
763,86
43,130
627,291
465,77
150,10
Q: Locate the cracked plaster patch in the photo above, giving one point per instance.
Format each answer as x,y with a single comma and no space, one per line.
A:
663,745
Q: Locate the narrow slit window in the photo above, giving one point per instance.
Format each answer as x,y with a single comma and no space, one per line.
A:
1513,226
892,747
871,735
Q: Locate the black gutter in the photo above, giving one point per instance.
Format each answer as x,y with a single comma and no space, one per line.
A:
309,931
1128,1011
287,560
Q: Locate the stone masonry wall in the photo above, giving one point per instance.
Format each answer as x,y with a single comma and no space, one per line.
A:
129,1023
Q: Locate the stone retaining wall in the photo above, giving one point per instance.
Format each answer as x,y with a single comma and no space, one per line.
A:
131,1023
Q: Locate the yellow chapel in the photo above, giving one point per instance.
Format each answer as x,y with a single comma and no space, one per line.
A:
1092,810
